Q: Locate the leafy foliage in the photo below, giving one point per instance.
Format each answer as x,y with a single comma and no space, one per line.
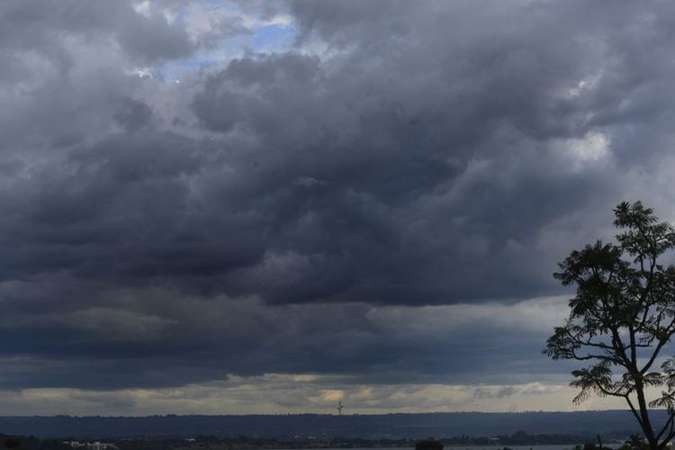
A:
622,316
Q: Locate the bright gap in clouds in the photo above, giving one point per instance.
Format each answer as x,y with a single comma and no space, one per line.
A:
279,393
223,31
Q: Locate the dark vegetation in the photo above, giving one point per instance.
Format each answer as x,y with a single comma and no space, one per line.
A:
429,444
248,443
29,443
621,319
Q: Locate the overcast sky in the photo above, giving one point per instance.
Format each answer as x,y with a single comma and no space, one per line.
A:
237,207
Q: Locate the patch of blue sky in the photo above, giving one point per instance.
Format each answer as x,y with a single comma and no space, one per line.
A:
273,38
206,59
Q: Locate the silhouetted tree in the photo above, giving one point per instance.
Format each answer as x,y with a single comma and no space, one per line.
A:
621,317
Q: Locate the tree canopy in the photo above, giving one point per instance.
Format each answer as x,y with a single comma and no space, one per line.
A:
622,317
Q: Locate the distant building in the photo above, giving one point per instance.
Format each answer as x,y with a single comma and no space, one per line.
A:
96,445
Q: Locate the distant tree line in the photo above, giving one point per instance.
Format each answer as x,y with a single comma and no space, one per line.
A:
253,443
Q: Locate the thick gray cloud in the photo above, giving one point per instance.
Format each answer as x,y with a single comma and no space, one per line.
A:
373,203
42,28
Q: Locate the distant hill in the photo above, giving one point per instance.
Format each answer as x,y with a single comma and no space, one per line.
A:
395,426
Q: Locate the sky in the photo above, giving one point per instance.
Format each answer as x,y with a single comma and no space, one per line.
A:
231,207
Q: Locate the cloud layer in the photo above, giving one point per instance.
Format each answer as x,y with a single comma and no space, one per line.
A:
373,193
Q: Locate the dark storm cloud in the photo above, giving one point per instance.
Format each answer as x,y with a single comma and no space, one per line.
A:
158,338
270,215
34,25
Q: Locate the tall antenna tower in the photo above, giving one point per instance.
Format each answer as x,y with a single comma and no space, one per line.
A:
340,407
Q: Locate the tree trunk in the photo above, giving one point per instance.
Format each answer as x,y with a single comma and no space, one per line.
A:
647,428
